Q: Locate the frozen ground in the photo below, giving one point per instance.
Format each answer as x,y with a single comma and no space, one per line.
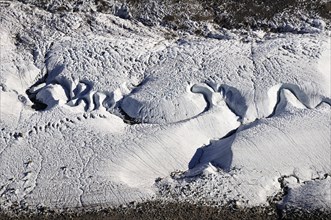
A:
101,111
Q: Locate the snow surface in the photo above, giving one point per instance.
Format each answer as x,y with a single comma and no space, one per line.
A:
317,195
126,106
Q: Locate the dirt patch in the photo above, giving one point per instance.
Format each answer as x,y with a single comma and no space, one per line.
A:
171,210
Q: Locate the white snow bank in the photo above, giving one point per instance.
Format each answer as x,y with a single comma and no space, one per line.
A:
276,146
324,66
171,148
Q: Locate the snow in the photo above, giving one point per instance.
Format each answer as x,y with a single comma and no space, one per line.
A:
52,95
312,194
324,66
126,106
